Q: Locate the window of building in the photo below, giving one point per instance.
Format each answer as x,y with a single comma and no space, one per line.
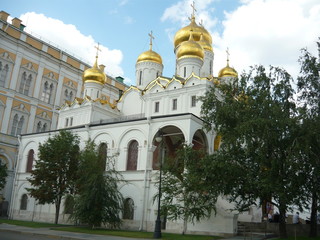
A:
156,107
47,92
24,202
39,125
140,77
25,83
184,71
3,74
17,125
193,101
174,104
103,149
128,209
210,67
44,127
71,121
30,160
67,122
132,155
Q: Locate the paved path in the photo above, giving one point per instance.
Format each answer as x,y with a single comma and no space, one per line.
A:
46,232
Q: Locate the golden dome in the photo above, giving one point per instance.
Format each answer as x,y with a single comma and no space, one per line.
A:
190,48
149,56
228,72
184,33
94,74
205,44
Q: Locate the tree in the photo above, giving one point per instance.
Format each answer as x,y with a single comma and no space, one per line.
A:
182,195
3,174
56,170
256,117
98,199
309,99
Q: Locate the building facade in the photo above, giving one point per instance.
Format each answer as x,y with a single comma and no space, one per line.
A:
126,130
35,79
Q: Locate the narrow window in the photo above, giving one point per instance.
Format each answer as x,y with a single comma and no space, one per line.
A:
23,82
20,125
210,67
39,125
156,107
44,127
128,209
103,155
3,74
67,122
24,202
30,160
132,155
174,104
27,85
185,71
14,125
71,121
193,101
140,77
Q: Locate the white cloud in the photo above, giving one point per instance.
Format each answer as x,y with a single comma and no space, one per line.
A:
68,38
270,32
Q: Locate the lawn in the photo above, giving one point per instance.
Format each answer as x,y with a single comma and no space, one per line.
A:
30,224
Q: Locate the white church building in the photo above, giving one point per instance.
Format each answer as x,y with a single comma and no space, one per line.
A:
127,130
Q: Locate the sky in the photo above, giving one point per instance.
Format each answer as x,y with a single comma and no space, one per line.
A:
268,32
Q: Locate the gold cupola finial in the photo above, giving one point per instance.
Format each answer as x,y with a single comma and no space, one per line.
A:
95,74
193,16
150,55
228,71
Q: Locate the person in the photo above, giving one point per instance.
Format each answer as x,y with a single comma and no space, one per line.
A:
296,219
270,217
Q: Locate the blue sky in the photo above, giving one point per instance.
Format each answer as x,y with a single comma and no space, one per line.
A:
269,32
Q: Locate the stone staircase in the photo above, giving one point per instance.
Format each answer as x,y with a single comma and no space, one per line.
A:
255,231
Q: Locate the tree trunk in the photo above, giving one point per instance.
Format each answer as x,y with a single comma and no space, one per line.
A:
313,217
282,222
185,224
58,202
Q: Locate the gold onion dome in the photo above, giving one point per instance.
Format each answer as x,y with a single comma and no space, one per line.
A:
94,74
149,56
184,33
190,48
228,71
205,44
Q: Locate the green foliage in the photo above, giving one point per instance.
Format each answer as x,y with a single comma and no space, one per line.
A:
184,195
98,199
3,174
56,169
257,118
309,141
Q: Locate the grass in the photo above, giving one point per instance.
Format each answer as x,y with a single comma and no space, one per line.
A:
298,238
135,234
30,224
120,233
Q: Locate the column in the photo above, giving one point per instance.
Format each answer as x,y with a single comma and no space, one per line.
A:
15,72
37,86
7,112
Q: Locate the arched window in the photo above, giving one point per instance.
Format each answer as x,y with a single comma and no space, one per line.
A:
20,125
128,209
132,155
24,202
30,160
44,127
103,148
46,92
39,125
70,96
28,85
140,77
14,125
3,74
23,82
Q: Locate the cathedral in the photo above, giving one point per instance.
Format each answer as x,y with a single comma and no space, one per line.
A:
125,124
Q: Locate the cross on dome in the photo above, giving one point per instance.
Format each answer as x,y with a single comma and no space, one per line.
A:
193,12
151,37
228,54
98,49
